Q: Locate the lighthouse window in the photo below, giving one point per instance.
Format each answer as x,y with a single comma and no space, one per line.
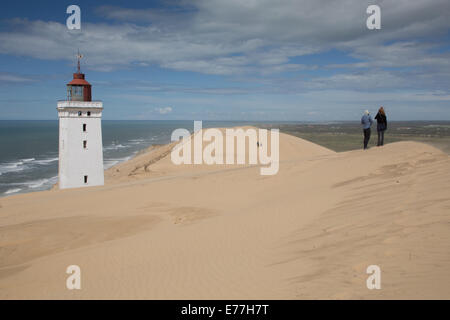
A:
84,127
84,144
85,179
89,113
80,113
78,91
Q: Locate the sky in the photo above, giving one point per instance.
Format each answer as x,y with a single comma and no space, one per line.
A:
254,60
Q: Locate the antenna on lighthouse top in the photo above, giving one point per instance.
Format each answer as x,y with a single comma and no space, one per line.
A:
79,56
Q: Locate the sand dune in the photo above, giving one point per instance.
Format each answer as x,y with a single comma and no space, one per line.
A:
160,231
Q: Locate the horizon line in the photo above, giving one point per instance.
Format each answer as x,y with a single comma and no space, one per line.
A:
304,121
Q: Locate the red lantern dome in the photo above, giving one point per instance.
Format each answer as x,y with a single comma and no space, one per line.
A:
79,89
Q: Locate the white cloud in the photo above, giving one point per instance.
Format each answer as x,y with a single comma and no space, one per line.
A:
164,110
256,42
14,78
232,37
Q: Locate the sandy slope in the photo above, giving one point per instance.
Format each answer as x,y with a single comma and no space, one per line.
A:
156,230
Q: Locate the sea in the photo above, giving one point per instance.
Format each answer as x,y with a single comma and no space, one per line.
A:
29,149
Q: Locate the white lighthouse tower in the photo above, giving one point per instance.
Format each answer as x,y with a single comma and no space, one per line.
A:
80,136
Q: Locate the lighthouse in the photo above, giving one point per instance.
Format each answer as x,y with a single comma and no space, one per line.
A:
80,135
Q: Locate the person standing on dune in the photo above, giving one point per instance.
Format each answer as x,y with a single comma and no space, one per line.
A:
381,125
366,122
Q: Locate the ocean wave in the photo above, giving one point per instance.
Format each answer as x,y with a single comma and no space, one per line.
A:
115,147
46,161
108,163
30,185
12,166
23,164
137,142
15,190
33,184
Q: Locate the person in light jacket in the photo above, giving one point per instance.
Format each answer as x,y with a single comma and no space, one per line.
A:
366,122
381,125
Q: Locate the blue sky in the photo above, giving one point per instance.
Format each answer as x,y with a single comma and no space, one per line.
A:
229,60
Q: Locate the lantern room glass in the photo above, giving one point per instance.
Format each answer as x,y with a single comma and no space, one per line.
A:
75,93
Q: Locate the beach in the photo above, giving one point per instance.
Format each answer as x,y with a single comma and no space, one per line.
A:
156,230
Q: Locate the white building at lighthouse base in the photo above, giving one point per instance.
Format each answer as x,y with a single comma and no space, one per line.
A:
80,144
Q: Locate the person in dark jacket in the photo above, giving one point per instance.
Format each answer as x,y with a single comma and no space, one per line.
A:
366,122
381,125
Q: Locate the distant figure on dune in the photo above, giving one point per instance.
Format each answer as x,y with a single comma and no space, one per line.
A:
366,122
381,125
